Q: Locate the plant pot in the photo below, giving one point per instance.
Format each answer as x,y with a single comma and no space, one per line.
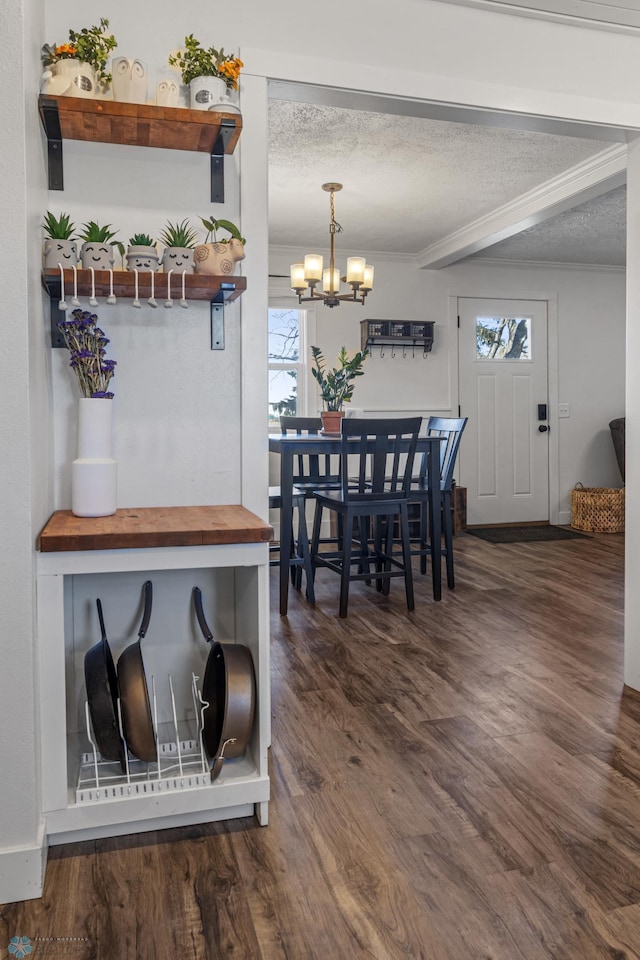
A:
204,92
94,474
142,258
130,80
60,252
178,259
100,256
218,259
332,421
70,78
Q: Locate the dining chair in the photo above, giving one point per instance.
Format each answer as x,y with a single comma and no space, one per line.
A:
300,556
451,430
312,471
369,500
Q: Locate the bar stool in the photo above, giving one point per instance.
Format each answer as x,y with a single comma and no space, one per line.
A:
300,558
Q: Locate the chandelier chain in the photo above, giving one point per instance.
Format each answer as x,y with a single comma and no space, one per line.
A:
335,226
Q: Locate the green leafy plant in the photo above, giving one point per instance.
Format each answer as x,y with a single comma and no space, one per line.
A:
336,385
91,44
212,226
92,232
58,228
141,240
196,61
179,235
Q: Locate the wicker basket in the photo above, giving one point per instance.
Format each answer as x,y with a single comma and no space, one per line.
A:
597,509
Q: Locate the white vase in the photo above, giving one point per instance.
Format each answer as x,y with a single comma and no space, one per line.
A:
130,80
94,474
204,92
70,78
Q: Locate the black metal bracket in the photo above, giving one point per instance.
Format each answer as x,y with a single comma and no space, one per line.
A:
54,289
217,314
227,128
51,124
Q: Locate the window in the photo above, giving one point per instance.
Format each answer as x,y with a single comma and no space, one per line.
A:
503,338
291,329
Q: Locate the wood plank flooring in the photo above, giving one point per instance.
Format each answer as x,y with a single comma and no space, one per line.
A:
460,783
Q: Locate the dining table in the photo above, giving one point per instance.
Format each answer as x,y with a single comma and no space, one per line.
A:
290,445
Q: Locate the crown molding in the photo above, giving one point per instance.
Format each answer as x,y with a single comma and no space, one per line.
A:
589,179
603,15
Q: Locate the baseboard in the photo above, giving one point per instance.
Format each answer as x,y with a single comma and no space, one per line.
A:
22,871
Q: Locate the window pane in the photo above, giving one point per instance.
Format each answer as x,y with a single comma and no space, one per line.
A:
503,338
283,388
284,336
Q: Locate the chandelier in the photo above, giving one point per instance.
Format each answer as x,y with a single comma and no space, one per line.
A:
306,276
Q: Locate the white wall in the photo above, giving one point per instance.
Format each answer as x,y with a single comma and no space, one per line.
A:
426,49
590,348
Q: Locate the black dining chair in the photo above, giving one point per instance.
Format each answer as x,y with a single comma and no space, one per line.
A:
312,471
300,556
451,430
376,464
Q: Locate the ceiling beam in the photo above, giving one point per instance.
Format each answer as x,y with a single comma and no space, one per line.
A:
591,178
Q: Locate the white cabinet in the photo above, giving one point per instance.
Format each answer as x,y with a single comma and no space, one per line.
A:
234,581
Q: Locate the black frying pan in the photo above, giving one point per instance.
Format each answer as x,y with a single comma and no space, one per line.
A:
102,694
229,687
134,696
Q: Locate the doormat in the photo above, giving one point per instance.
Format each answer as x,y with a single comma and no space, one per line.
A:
525,534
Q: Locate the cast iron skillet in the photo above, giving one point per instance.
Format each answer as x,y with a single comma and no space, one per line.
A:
229,687
102,694
134,696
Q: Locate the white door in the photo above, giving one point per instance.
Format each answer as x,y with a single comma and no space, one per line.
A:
504,454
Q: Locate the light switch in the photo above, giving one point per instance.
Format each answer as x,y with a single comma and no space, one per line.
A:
564,410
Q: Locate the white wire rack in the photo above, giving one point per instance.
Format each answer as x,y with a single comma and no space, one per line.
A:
180,764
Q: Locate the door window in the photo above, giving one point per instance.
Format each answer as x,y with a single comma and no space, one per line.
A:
503,338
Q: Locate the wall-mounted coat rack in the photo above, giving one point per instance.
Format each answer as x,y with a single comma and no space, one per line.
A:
404,338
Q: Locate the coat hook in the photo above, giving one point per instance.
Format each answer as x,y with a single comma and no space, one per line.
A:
404,351
381,350
393,350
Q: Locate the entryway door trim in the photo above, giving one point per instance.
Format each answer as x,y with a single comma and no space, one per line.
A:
481,291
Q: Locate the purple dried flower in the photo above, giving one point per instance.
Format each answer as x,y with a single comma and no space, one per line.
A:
86,344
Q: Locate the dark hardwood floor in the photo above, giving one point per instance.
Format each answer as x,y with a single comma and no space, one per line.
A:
462,782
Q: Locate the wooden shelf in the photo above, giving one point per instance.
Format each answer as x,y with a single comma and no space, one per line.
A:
218,290
154,527
138,125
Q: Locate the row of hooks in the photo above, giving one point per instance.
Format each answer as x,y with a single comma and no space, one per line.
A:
111,299
394,352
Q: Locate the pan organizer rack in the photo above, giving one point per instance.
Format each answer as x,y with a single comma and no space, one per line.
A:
180,765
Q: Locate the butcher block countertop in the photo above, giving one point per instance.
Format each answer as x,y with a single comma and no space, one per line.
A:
154,527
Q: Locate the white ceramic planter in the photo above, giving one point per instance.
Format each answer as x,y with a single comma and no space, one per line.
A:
63,252
70,78
205,92
100,256
142,258
178,259
130,80
94,474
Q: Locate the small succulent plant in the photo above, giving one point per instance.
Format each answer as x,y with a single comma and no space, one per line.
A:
179,235
94,233
58,228
141,240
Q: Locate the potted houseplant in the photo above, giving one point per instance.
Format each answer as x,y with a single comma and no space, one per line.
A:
78,68
60,247
179,240
336,384
208,73
97,249
94,471
219,257
142,253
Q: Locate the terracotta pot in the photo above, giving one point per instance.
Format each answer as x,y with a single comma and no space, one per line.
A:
332,421
218,259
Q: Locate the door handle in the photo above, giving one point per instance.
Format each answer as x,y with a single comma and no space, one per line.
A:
543,428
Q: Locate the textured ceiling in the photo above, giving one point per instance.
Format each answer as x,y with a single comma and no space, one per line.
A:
411,181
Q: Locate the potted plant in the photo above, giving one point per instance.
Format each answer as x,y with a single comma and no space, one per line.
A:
78,68
336,385
97,249
207,72
60,247
142,253
219,257
179,240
